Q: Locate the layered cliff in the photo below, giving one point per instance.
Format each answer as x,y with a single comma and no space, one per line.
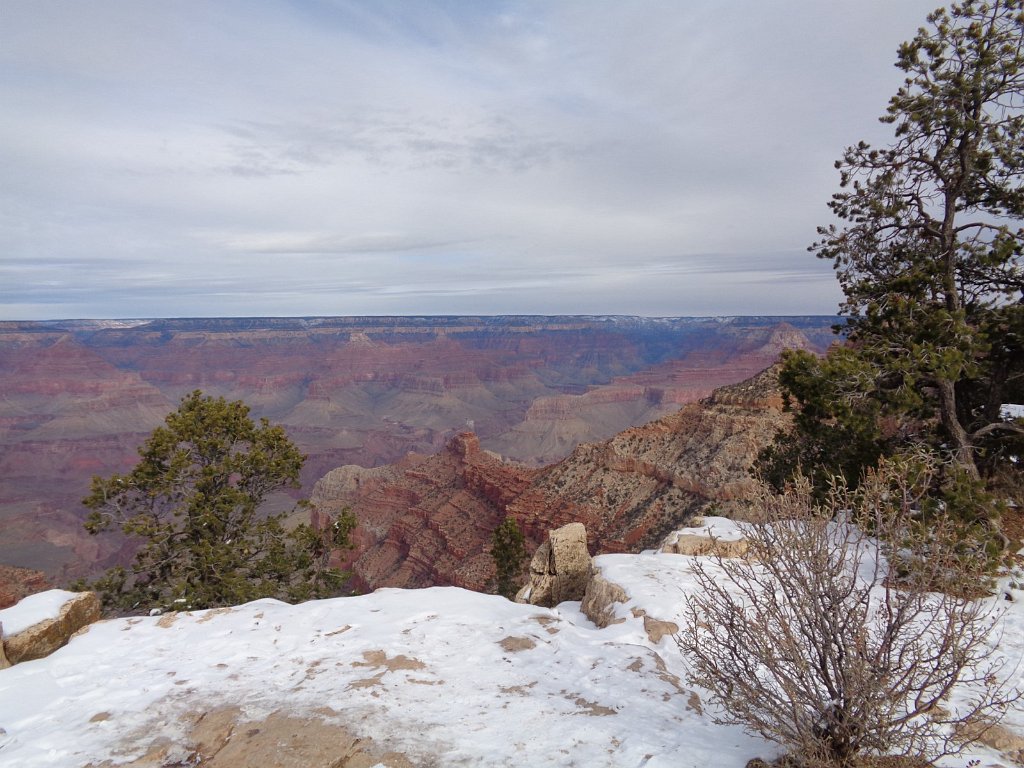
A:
78,397
428,520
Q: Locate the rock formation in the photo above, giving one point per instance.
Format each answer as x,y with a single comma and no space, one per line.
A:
45,636
428,520
16,583
560,568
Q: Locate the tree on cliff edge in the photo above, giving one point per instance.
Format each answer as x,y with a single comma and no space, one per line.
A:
194,500
508,548
930,257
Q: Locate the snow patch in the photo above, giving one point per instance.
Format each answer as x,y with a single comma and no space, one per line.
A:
446,676
1011,411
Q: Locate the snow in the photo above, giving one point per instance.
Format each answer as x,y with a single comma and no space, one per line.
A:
1011,411
32,610
447,676
721,528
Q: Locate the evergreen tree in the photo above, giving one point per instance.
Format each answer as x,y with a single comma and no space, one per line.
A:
194,499
508,548
929,257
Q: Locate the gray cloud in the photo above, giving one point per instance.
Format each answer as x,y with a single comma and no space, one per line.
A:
651,157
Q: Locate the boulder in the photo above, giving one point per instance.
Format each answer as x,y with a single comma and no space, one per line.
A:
696,545
46,636
4,663
599,599
996,736
560,569
599,606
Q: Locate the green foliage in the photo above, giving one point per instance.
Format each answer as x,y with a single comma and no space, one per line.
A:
508,548
194,499
929,257
837,426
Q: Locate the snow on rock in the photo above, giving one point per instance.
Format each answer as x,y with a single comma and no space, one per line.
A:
40,624
713,536
1011,411
439,674
33,609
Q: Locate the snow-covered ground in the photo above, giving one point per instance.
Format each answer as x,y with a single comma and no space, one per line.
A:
446,676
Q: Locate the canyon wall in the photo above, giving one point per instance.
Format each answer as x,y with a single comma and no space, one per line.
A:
428,520
78,397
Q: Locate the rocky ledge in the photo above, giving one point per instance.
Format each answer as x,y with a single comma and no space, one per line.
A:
428,520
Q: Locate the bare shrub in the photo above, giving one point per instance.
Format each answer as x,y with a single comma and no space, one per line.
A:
814,643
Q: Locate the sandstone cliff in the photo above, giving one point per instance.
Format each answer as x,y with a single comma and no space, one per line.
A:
428,520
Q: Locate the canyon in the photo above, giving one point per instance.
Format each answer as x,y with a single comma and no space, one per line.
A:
428,520
77,398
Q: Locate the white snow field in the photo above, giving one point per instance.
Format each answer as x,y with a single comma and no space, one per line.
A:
446,676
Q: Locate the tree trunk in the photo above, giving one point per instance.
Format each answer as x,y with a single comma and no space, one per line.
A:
963,450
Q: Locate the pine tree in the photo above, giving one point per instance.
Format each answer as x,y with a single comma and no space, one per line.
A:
929,257
508,548
194,500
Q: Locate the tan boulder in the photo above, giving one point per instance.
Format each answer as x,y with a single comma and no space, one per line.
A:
46,636
996,736
560,569
598,601
4,663
696,545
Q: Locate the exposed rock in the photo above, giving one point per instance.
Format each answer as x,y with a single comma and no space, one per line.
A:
695,545
16,583
599,598
225,738
428,520
4,663
998,737
599,606
47,636
516,644
657,628
560,568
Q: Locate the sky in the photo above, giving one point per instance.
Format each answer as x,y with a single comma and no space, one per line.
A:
353,157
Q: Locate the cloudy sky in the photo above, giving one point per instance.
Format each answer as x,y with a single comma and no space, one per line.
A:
310,157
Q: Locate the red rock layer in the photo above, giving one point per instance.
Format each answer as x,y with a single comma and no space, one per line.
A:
429,520
16,583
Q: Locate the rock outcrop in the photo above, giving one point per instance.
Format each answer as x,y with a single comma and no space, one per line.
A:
428,519
46,636
712,536
16,583
560,568
599,600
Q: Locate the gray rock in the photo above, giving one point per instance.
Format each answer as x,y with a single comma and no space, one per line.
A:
560,569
